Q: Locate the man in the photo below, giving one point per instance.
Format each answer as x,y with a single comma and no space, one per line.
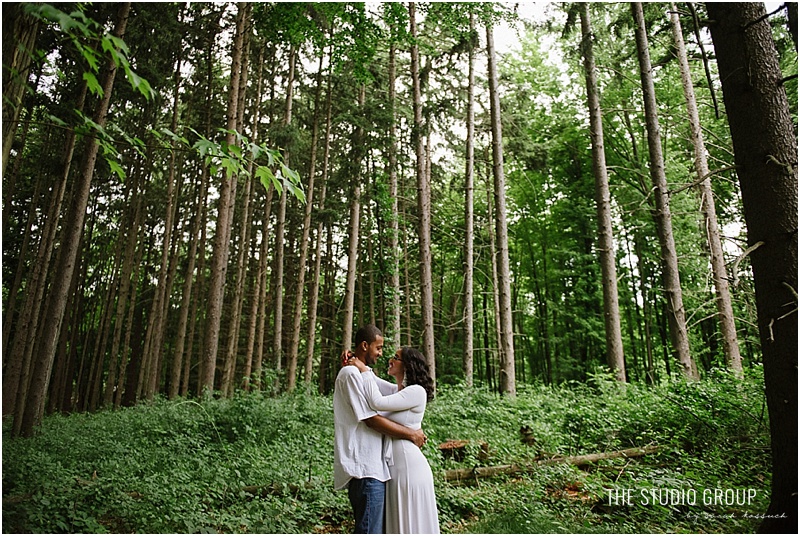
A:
359,460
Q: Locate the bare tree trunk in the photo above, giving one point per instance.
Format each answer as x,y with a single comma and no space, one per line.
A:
765,151
730,342
235,308
277,343
313,298
676,315
73,229
262,290
355,230
614,349
423,206
21,347
19,37
256,280
129,231
294,348
469,220
492,224
507,363
227,197
394,224
160,306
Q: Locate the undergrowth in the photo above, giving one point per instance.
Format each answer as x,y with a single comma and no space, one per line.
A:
259,464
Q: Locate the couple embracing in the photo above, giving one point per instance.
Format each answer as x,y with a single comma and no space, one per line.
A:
377,439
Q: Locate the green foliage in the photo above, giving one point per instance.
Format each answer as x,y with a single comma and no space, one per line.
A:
259,464
81,30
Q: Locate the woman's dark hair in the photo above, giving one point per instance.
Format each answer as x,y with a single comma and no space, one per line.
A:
416,370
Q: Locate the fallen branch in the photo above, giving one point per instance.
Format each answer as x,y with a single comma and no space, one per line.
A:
579,461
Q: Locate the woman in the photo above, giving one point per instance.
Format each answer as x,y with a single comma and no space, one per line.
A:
410,499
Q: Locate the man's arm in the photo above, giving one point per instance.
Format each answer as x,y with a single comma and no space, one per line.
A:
392,429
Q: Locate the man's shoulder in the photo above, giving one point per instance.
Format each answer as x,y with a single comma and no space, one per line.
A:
347,372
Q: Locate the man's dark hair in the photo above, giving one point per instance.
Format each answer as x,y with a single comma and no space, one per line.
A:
367,334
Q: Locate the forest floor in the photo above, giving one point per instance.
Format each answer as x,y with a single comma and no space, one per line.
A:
260,464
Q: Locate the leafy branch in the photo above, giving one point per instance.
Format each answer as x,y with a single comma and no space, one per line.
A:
80,30
239,158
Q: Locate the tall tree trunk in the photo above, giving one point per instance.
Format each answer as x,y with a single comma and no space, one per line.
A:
355,230
507,372
21,347
235,309
423,205
614,350
255,293
294,347
277,343
492,224
128,232
19,37
394,224
676,315
469,220
262,290
313,298
160,305
730,342
227,197
765,151
73,229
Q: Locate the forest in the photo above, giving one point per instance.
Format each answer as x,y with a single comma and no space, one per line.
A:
583,214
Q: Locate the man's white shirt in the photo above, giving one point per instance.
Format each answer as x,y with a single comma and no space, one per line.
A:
358,449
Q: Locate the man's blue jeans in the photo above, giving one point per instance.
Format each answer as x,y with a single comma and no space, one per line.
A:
367,497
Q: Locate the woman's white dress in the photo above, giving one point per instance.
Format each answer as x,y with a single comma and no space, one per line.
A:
410,499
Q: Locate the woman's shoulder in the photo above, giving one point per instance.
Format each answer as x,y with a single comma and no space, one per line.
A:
417,390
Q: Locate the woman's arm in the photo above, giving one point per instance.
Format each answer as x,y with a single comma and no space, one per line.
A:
401,400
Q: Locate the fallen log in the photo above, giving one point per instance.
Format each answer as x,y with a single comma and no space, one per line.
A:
579,461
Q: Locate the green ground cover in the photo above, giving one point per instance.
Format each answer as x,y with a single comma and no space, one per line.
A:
261,464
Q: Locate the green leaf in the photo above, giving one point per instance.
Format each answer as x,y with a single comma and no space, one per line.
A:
92,84
296,191
57,120
231,167
89,54
116,168
265,175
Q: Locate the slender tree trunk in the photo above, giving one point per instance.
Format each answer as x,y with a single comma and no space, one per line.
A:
313,298
227,197
765,151
73,229
255,291
21,347
262,286
128,232
492,224
730,342
355,228
294,348
507,372
394,225
423,205
159,306
277,344
672,285
19,37
614,350
469,220
235,308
